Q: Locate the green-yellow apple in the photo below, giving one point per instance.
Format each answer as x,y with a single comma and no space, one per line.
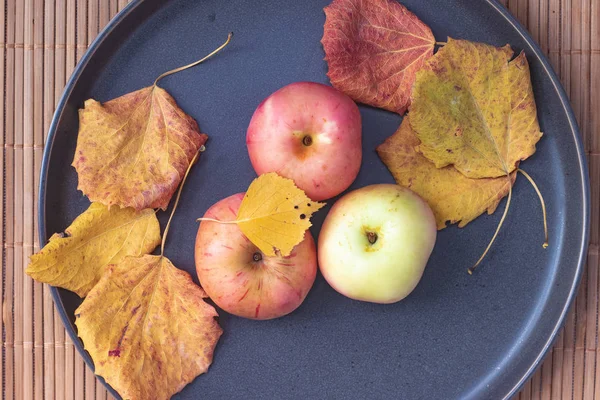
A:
375,243
242,280
308,132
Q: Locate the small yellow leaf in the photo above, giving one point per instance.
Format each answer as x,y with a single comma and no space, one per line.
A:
452,196
147,328
275,214
98,237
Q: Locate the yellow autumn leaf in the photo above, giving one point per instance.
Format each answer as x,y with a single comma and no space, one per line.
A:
132,151
147,328
472,107
98,237
452,196
274,214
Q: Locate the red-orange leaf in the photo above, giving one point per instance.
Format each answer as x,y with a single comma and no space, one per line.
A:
133,151
374,49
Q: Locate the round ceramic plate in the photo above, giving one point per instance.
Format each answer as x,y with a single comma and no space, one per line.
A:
456,336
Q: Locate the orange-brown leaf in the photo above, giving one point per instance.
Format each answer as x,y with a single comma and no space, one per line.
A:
132,151
147,328
374,49
452,196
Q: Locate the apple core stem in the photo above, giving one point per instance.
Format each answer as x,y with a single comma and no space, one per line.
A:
372,237
307,140
257,256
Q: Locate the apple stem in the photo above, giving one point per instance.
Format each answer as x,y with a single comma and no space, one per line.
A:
372,237
530,179
187,172
174,71
257,256
216,220
307,140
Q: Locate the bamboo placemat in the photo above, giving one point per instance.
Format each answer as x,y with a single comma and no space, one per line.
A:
41,41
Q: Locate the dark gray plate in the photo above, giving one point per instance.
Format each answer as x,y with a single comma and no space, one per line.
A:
456,336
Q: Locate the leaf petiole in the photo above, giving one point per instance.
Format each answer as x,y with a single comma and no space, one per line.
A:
530,179
187,172
472,269
174,71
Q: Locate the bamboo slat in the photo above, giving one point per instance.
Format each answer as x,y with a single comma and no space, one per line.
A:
90,384
60,56
554,34
8,225
585,72
41,42
594,83
35,163
19,362
580,330
70,36
82,29
71,25
103,13
536,385
557,367
533,19
28,106
544,18
575,57
546,384
49,94
2,150
526,391
591,344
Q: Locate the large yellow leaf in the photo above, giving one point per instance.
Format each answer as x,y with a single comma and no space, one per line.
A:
147,328
452,196
474,109
275,214
133,151
98,237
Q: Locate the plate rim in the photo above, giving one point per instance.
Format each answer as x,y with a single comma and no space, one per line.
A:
502,11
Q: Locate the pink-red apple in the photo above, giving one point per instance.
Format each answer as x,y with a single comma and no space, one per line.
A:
242,280
308,132
375,243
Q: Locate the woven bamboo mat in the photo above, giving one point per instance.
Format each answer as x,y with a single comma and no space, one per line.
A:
41,41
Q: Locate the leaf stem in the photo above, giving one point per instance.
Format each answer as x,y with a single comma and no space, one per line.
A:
537,190
472,269
174,71
440,43
187,172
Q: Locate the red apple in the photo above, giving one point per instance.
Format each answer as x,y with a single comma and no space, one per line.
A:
308,132
242,280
